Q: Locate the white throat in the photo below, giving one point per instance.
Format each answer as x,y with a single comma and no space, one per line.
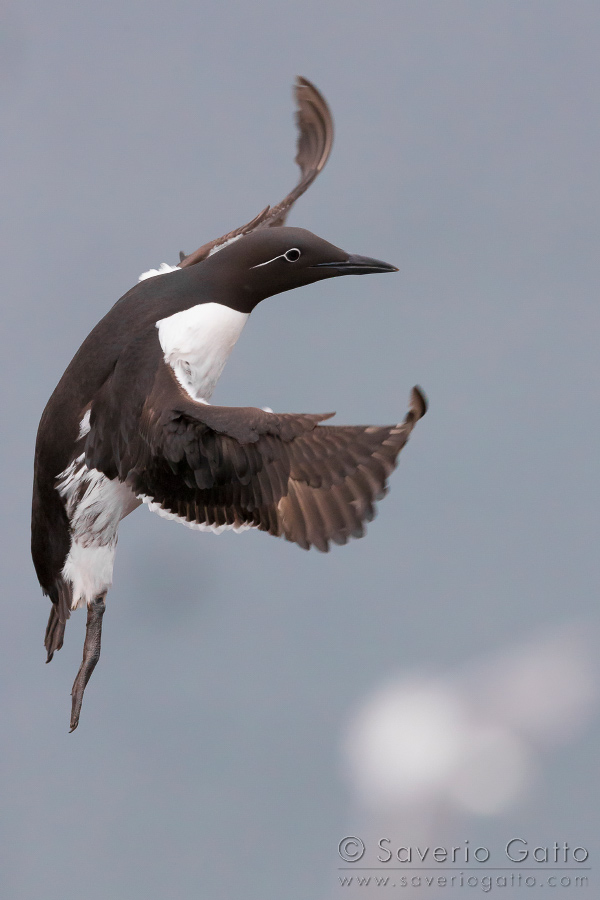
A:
197,342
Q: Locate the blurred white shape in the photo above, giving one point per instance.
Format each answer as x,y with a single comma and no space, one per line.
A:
546,687
406,742
494,772
469,741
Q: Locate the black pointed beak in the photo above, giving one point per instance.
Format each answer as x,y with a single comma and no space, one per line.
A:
357,265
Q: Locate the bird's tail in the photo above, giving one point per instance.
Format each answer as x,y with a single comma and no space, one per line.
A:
59,613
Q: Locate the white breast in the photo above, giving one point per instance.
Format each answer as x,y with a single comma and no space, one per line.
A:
197,343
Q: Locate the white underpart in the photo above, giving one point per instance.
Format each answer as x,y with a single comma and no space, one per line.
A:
89,571
197,526
162,270
94,505
197,342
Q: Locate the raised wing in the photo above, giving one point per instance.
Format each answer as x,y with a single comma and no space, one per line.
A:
315,138
215,467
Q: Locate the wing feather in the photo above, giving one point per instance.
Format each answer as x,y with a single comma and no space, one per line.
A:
222,467
315,138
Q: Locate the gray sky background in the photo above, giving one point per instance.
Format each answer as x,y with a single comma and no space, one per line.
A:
207,762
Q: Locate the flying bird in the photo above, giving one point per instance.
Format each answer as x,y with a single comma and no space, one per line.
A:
130,421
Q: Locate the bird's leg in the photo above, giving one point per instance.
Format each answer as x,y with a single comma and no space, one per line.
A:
91,655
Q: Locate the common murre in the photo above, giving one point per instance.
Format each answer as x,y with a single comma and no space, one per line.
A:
130,420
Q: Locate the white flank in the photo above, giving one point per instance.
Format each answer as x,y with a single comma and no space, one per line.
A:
166,514
89,570
163,270
94,505
197,343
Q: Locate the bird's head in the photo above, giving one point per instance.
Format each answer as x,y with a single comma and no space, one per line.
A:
274,260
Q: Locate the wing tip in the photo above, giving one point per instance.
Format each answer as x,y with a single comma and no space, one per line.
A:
315,140
418,406
418,403
315,128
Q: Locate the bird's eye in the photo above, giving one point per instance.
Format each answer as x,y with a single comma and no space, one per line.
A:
292,255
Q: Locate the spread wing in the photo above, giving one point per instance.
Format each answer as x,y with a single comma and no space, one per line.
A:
315,138
215,467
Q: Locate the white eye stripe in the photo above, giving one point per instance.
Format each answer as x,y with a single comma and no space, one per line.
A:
285,256
265,263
